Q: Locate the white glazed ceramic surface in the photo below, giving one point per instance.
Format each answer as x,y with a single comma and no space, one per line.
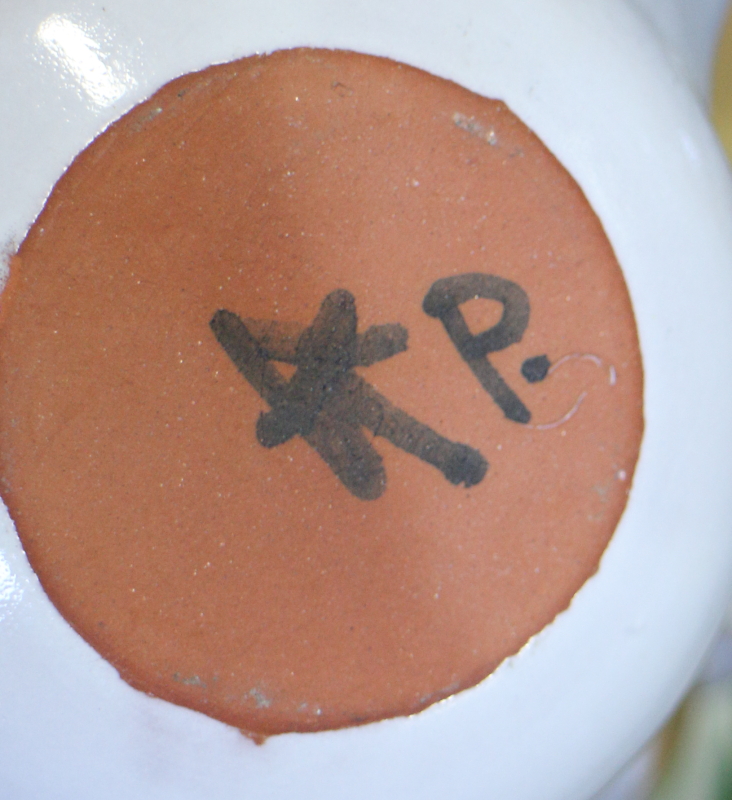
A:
690,30
559,718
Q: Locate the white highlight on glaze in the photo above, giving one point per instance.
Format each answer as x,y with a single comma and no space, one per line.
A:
82,57
612,380
11,592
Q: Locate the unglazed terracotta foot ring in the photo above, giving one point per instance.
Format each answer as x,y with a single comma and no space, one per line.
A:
279,427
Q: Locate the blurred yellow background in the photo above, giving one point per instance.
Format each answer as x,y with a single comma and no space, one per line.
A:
722,92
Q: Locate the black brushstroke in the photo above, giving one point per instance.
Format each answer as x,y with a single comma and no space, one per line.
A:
444,300
327,403
536,369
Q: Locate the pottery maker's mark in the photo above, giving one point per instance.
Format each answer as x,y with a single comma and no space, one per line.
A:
327,403
444,300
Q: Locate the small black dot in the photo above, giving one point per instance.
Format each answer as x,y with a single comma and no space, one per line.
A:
535,369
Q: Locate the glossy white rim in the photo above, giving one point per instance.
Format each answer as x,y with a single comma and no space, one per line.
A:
556,720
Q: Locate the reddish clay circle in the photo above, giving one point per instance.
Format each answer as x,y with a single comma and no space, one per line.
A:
319,553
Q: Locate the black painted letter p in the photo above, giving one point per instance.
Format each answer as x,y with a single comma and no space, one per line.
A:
444,300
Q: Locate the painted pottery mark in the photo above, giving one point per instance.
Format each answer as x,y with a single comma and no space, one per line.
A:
327,403
444,300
